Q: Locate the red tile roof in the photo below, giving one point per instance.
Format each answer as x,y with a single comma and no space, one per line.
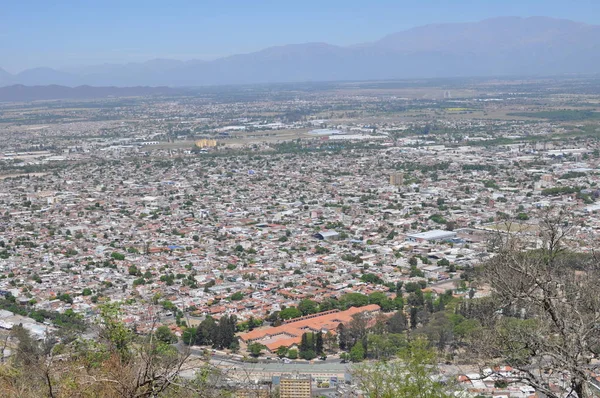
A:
291,333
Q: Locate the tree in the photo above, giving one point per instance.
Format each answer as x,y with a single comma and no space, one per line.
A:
439,330
330,341
354,300
255,349
357,353
357,327
117,256
237,296
289,313
304,345
206,332
384,346
292,353
319,343
28,349
65,297
308,307
411,376
399,285
343,336
397,323
141,368
164,334
522,217
377,298
416,298
189,336
411,287
547,308
225,332
308,354
282,351
443,262
115,363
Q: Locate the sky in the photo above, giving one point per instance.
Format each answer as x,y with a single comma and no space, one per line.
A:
66,33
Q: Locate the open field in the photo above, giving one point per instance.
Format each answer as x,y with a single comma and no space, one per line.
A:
511,227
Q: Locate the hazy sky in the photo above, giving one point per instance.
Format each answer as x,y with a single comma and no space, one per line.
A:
59,33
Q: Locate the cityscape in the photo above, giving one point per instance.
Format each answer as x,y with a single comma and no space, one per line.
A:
331,207
391,199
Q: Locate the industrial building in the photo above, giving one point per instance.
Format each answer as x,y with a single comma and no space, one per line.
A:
435,235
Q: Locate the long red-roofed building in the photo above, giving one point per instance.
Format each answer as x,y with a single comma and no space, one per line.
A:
290,333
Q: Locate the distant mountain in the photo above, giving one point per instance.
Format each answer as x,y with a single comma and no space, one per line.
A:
499,46
5,77
19,93
44,76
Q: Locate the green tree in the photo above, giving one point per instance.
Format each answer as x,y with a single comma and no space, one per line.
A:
304,345
282,351
308,307
354,300
237,296
164,334
255,349
357,353
206,331
308,354
443,262
413,375
65,297
397,323
189,336
117,256
319,343
290,313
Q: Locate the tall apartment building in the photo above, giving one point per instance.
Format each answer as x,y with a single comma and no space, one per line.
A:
396,179
295,386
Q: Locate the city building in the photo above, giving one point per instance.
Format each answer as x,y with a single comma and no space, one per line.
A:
290,333
295,386
435,235
397,179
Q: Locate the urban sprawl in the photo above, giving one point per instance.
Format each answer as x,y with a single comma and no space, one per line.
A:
288,234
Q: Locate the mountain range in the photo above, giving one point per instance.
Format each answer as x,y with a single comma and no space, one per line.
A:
501,46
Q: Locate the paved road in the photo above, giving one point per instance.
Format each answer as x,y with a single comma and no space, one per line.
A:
265,369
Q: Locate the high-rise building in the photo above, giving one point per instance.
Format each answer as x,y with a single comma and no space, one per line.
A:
397,179
206,143
295,386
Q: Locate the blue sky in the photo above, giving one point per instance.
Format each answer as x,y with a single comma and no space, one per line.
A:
59,33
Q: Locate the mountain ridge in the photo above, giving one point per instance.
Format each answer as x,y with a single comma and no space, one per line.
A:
491,47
